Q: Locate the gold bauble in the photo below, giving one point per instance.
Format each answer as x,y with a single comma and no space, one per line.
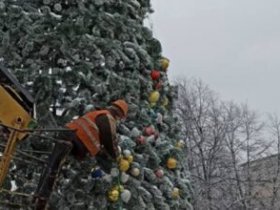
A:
119,188
171,163
129,158
113,195
123,165
164,63
154,96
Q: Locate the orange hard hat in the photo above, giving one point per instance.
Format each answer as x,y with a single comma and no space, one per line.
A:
122,105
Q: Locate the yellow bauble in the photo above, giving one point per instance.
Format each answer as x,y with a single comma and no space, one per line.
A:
119,188
129,158
171,163
123,165
175,193
113,195
165,101
154,97
164,62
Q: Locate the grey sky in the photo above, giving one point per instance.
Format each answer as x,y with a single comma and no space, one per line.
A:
232,45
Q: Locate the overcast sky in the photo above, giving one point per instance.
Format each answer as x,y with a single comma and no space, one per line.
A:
232,45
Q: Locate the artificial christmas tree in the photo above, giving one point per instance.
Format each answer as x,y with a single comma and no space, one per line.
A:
75,56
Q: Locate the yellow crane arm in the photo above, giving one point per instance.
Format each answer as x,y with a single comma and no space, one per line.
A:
13,115
11,110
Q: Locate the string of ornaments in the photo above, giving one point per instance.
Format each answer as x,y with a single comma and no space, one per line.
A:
171,162
154,98
127,168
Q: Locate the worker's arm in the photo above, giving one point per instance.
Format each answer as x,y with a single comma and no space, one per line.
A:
107,134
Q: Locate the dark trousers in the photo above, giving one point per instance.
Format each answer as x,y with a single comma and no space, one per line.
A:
67,143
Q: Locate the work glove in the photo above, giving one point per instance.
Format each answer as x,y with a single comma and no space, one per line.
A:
104,162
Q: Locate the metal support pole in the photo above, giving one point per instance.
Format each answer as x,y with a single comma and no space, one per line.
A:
9,151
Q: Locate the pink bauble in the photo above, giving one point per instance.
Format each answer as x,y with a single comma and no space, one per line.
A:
141,140
159,173
149,131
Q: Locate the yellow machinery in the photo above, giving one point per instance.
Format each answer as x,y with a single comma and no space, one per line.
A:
16,110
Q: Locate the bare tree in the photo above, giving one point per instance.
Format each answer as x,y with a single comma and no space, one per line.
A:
274,126
199,109
253,145
233,119
219,137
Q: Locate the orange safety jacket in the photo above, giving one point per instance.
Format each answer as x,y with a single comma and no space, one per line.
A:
87,130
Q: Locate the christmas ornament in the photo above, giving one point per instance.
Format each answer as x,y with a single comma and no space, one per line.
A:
126,153
58,7
155,74
124,177
123,165
114,172
171,163
154,96
125,196
119,188
96,173
141,140
164,63
175,194
129,158
135,172
180,144
113,195
159,173
150,130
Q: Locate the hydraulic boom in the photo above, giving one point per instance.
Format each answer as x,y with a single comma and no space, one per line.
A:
16,111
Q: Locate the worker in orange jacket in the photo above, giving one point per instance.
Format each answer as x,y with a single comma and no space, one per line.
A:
95,134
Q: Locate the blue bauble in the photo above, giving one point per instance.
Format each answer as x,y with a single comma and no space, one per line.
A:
96,173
